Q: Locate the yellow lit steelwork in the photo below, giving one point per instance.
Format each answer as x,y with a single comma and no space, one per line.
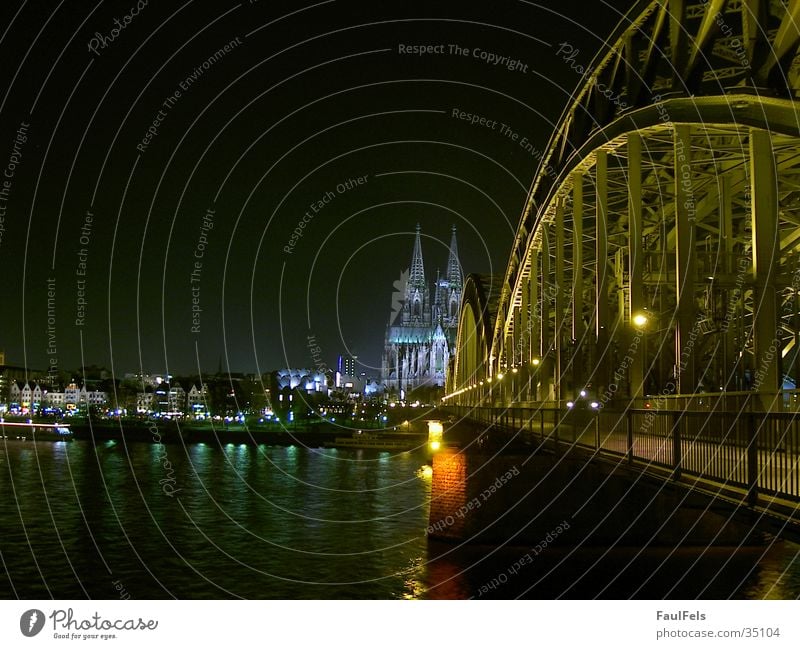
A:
658,206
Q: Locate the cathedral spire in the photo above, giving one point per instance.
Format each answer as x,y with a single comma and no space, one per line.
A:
416,277
417,303
453,266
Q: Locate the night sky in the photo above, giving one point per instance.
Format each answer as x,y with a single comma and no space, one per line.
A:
198,135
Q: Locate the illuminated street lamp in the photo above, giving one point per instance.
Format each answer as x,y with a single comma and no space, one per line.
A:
645,324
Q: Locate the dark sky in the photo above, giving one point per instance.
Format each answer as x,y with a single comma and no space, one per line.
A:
307,96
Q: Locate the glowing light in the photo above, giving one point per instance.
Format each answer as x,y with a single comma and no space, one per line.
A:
535,362
435,428
426,471
435,434
594,404
514,370
640,320
570,404
500,376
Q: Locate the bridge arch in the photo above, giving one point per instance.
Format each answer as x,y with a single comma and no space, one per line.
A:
476,320
658,253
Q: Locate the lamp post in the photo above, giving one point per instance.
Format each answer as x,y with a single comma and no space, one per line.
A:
514,395
534,379
640,321
501,389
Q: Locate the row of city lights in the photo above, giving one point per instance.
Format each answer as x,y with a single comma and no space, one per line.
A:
639,320
570,404
498,377
593,404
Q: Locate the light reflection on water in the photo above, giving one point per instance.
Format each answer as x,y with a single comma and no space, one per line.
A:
242,521
290,522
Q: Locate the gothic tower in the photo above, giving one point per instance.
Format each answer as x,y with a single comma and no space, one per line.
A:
416,305
454,284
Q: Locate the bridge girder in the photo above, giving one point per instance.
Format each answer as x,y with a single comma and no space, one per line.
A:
720,178
657,207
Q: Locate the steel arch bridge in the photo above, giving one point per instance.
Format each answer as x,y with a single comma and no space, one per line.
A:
658,253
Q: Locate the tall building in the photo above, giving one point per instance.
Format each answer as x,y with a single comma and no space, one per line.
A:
347,373
421,332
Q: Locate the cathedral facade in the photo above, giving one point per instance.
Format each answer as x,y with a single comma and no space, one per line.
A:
421,333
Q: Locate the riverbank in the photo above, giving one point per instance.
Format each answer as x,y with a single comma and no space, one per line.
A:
170,432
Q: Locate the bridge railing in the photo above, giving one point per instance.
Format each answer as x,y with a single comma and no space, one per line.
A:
755,453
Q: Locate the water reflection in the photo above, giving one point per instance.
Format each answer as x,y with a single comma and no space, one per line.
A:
243,521
275,522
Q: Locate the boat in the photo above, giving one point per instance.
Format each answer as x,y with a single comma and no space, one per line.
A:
23,431
373,441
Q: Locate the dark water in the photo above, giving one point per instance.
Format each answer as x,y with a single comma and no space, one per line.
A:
273,522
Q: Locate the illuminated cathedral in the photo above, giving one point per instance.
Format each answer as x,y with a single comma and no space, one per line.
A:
421,332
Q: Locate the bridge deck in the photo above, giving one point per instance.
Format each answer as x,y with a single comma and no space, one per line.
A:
754,455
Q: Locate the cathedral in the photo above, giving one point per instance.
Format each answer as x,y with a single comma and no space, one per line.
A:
421,333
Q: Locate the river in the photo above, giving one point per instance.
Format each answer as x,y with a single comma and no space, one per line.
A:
159,521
